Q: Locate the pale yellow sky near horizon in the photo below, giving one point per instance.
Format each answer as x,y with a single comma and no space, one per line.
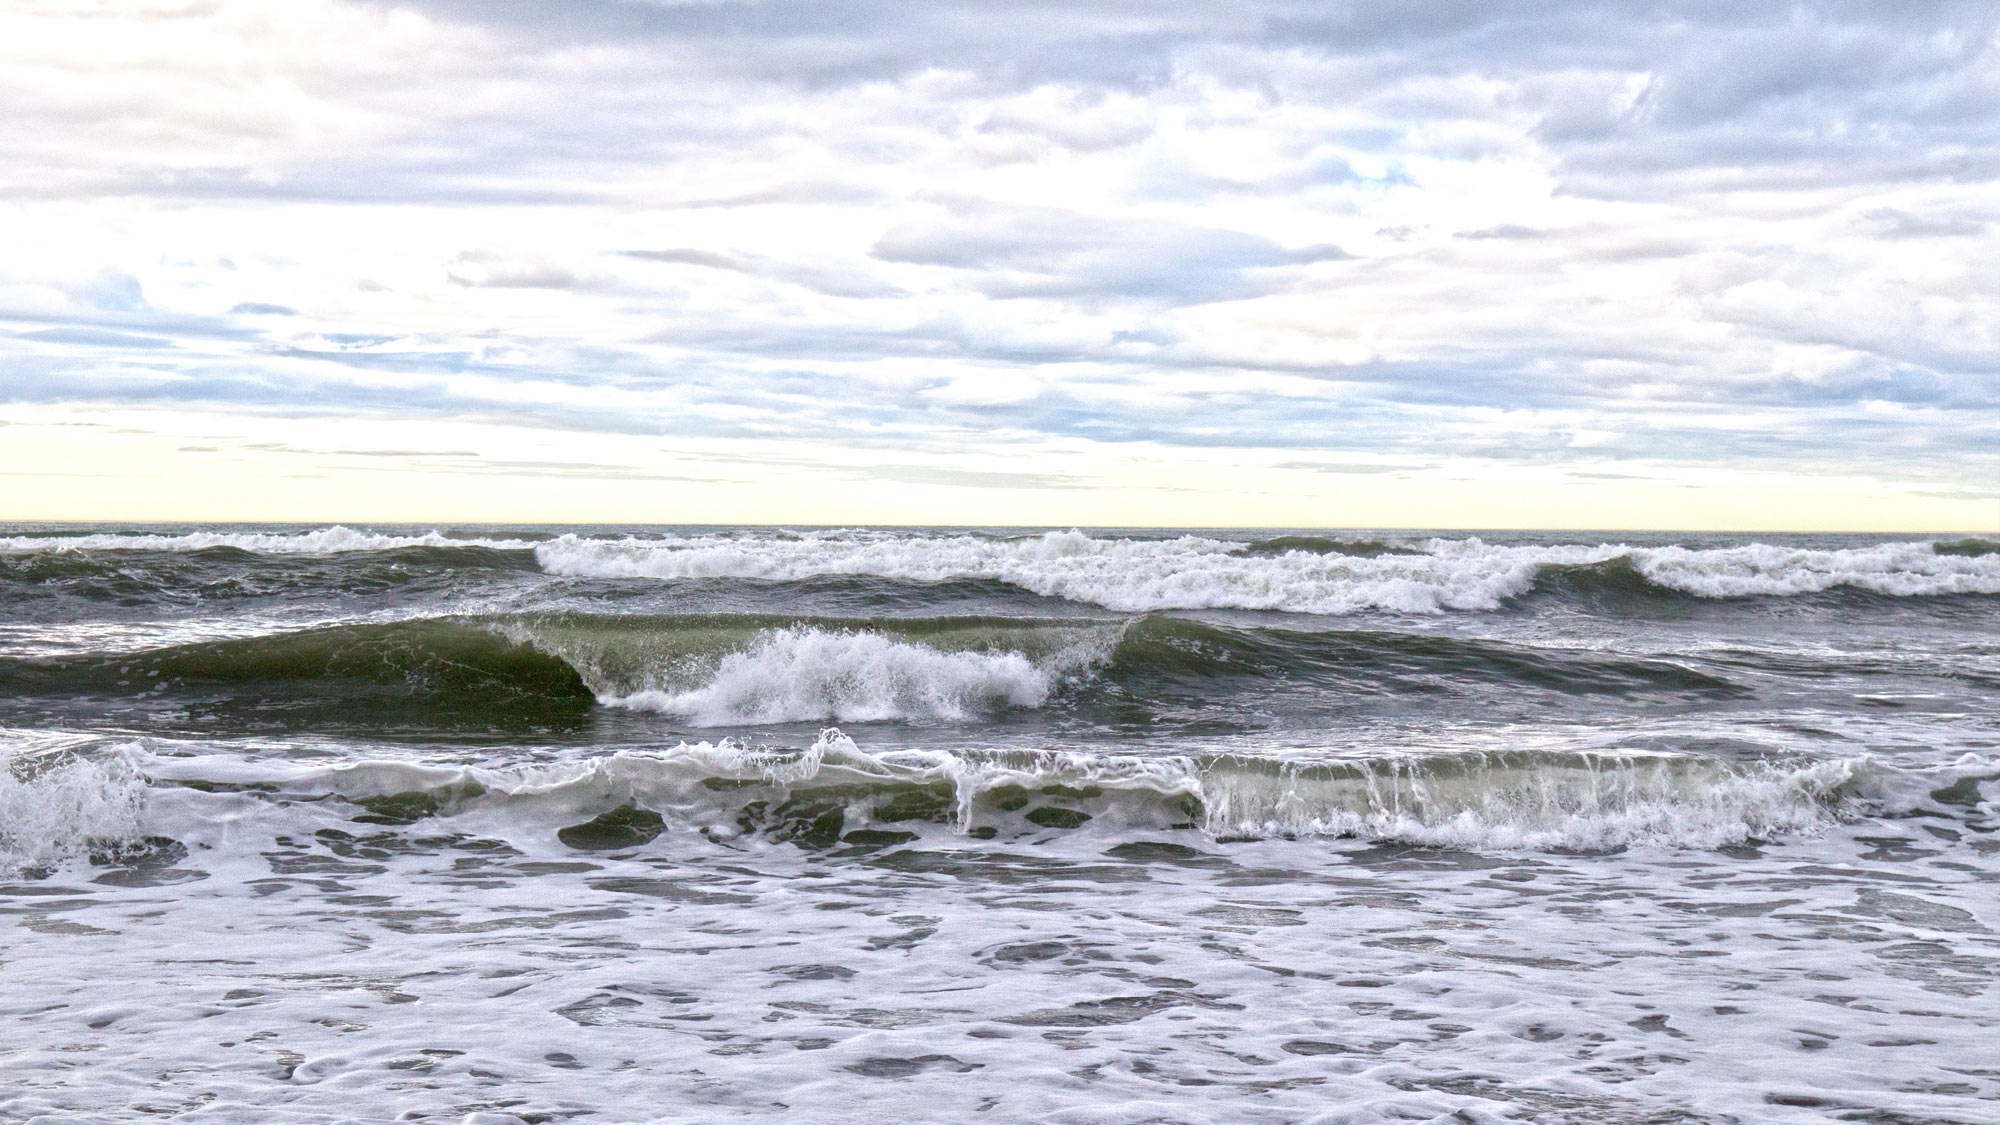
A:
141,466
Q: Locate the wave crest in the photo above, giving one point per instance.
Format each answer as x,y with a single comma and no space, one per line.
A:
1759,569
324,541
734,669
56,810
1301,574
1128,575
835,791
1297,575
810,674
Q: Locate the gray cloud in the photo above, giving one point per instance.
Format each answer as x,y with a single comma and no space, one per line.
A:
89,336
1903,224
1509,231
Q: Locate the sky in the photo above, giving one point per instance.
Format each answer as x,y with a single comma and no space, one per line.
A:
1338,263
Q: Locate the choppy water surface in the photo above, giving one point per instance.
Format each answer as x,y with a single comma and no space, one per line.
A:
538,824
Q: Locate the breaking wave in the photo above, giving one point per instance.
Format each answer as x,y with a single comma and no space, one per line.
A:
837,793
1315,574
324,541
54,809
1300,575
741,669
794,675
1896,569
1128,575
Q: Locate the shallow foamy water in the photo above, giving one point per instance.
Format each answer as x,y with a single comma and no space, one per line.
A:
545,824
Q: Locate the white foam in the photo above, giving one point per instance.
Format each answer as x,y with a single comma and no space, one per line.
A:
324,541
1134,575
809,674
1901,569
335,978
53,809
1193,572
1486,802
1587,802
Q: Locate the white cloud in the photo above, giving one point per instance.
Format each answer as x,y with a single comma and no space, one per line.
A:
1688,239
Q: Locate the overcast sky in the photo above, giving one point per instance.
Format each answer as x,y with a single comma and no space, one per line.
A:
1457,263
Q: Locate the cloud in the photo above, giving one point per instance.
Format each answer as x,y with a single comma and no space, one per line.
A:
965,478
1507,230
88,336
1044,252
1902,224
111,291
482,270
830,279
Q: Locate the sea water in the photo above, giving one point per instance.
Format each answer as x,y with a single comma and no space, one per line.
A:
692,824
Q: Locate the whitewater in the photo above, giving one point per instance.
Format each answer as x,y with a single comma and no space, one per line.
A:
525,824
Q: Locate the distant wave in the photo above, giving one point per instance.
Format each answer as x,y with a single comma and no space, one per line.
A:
324,541
1896,569
1299,574
1137,575
1128,575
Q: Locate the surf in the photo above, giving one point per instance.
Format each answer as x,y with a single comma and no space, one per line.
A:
835,792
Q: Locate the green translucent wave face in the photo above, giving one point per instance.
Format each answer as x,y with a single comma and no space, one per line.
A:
534,671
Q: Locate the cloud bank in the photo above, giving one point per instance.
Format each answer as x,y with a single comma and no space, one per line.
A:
1021,245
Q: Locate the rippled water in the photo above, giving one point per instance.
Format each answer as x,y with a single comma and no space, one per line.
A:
503,824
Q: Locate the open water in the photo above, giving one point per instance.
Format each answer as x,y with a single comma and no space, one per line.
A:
696,824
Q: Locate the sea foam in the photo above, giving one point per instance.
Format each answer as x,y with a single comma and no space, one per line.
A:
1195,572
1131,575
54,810
1504,801
324,541
1137,575
1900,569
811,674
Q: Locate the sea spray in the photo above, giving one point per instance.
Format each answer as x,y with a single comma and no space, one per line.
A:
55,809
793,675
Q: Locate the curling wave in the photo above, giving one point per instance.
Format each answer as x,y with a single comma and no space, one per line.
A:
744,669
423,671
835,792
794,675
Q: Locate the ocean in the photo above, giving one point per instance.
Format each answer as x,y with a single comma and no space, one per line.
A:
541,824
